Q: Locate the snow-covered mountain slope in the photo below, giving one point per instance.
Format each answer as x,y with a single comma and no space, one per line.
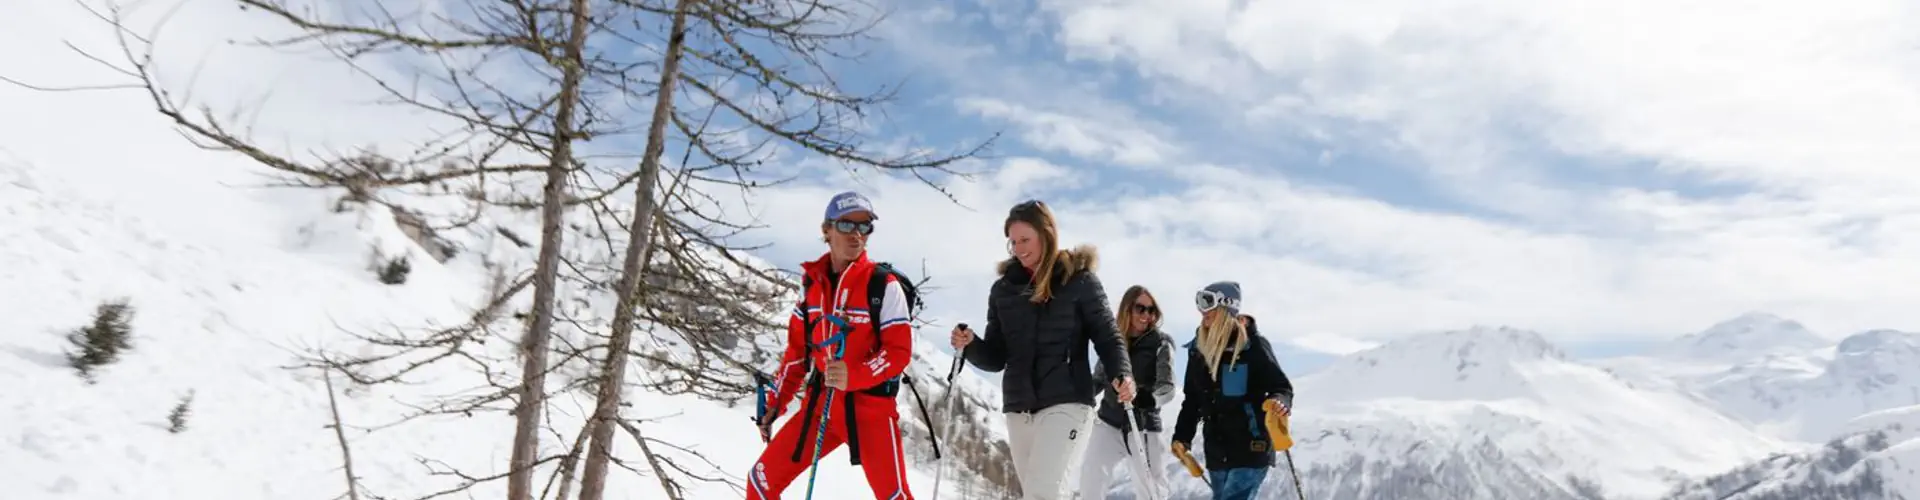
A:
1877,458
231,285
1869,371
1785,385
1754,344
1497,413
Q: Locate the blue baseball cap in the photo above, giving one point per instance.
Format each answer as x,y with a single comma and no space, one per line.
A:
847,203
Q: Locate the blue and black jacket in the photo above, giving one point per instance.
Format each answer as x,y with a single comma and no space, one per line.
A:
1236,434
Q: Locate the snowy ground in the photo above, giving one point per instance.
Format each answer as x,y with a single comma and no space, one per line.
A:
228,286
231,282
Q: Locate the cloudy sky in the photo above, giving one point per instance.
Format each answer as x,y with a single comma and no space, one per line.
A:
1602,172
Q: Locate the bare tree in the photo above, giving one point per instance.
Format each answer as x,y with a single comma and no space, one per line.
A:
502,135
533,387
688,302
708,35
593,479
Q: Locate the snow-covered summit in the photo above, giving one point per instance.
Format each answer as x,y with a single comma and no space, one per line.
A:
1877,357
1479,363
1747,336
1783,379
1811,397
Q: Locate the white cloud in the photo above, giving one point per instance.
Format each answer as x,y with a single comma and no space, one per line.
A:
1814,105
1833,251
1117,137
1761,91
1314,261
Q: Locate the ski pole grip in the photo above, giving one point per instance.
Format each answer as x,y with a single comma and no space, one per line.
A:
1193,467
1186,459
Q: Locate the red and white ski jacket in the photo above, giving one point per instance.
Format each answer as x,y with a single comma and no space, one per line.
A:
879,347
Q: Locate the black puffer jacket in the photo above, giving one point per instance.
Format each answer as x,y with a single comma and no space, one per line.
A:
1236,431
1151,354
1043,347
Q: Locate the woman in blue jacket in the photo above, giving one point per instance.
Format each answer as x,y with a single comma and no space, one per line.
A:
1231,384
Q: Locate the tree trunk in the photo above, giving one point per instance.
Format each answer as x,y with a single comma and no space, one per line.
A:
593,478
533,376
346,452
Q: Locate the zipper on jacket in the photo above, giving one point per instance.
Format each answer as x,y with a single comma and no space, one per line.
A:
1033,338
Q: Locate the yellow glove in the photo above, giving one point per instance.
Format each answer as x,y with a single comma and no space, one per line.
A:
1277,424
1180,451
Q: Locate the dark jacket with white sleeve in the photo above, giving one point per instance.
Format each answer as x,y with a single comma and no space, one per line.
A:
1152,356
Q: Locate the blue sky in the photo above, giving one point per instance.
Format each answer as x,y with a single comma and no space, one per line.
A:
1607,174
1453,164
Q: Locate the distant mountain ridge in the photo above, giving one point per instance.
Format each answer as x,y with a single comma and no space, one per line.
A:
1502,412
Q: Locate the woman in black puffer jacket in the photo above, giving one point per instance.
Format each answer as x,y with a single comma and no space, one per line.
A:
1115,439
1037,334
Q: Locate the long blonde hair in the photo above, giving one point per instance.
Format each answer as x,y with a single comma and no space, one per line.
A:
1213,337
1035,213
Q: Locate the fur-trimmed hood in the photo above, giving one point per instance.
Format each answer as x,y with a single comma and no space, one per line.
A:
1068,262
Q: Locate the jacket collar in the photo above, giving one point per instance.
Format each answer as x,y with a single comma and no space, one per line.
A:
818,268
1149,339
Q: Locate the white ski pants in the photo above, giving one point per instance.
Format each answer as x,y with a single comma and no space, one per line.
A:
1045,444
1107,446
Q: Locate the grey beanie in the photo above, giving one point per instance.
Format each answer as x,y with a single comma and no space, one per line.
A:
1229,292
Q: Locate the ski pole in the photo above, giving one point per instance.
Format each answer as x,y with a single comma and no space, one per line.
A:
839,343
1146,461
1296,475
940,470
1281,432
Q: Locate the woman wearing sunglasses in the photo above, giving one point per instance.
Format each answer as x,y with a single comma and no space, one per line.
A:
1042,312
1151,353
1234,387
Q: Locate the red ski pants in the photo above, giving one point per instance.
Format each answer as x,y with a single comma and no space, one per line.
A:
880,450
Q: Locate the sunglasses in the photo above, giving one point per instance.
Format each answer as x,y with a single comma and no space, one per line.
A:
1207,300
851,227
1146,309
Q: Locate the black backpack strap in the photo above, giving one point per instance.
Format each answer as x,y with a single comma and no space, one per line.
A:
932,434
806,416
876,295
877,287
853,430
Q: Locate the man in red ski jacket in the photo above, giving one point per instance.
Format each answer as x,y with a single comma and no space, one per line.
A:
863,382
